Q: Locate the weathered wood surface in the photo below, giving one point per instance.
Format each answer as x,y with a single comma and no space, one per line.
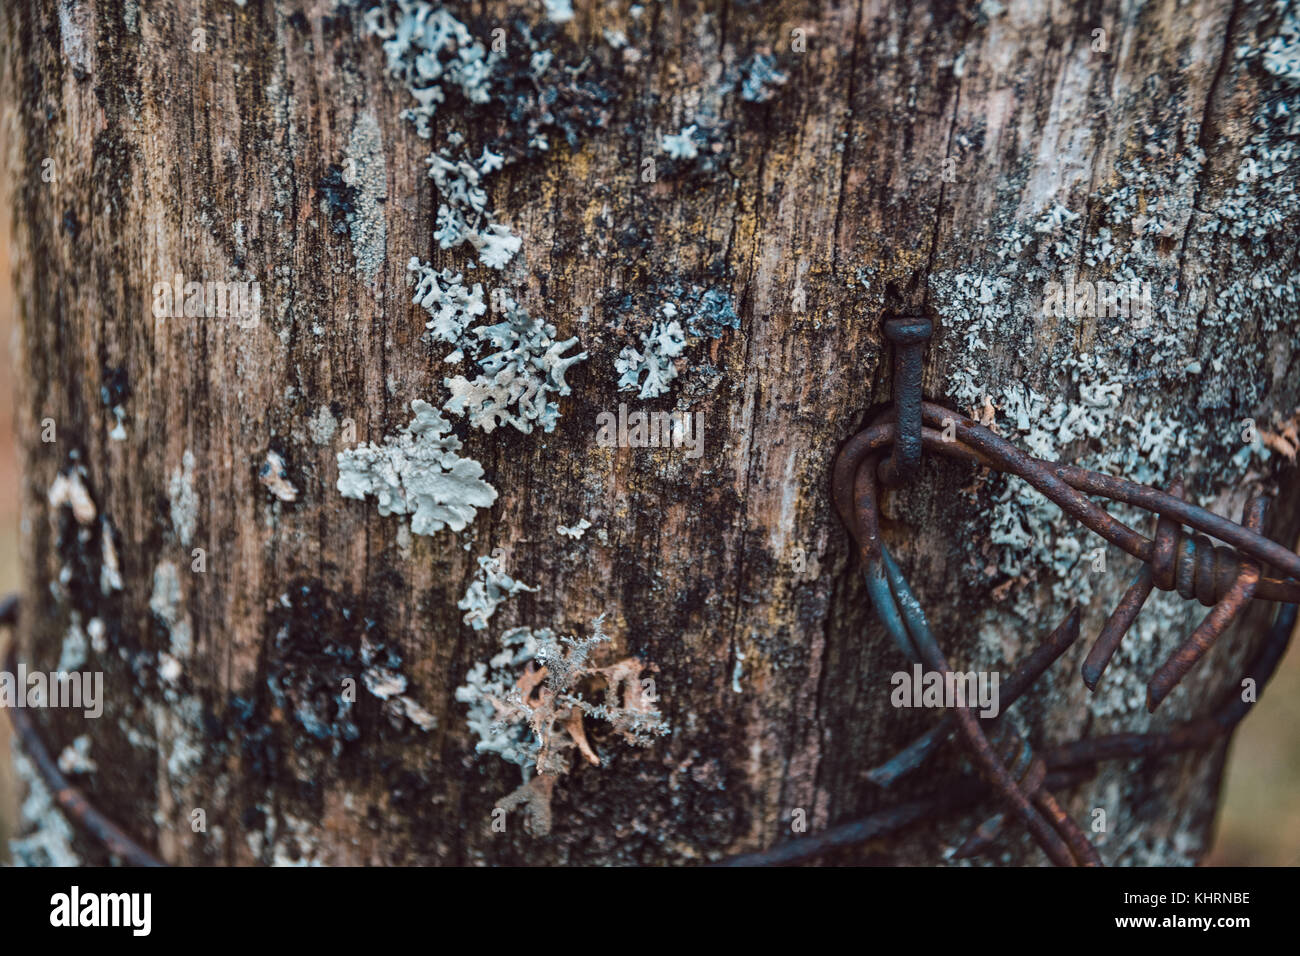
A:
212,164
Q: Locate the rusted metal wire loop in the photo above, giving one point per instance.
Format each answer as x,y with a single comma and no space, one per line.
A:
69,799
1217,576
898,608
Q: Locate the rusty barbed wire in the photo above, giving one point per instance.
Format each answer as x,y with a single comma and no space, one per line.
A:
904,618
1225,578
1067,764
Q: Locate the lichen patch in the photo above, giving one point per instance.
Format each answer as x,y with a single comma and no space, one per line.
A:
418,472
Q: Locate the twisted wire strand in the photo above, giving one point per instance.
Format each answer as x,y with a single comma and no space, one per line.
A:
1066,486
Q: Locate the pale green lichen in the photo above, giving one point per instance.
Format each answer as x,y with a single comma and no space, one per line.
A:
428,49
1281,55
761,75
75,760
681,145
452,306
521,360
72,654
45,837
575,532
418,472
166,604
1105,392
431,52
655,360
367,173
488,683
322,426
651,369
383,678
522,364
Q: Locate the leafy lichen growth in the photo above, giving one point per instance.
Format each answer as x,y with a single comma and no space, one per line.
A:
521,360
682,145
659,347
436,55
184,503
522,364
575,532
46,838
559,11
428,49
488,683
761,75
418,472
431,51
367,173
1281,55
383,678
463,217
651,369
451,305
710,313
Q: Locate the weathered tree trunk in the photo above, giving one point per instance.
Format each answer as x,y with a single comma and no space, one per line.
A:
946,157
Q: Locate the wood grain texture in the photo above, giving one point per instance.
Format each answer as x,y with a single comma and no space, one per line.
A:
211,164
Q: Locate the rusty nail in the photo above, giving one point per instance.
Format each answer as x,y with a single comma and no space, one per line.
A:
908,336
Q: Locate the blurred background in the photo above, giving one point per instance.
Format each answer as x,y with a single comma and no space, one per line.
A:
1259,819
